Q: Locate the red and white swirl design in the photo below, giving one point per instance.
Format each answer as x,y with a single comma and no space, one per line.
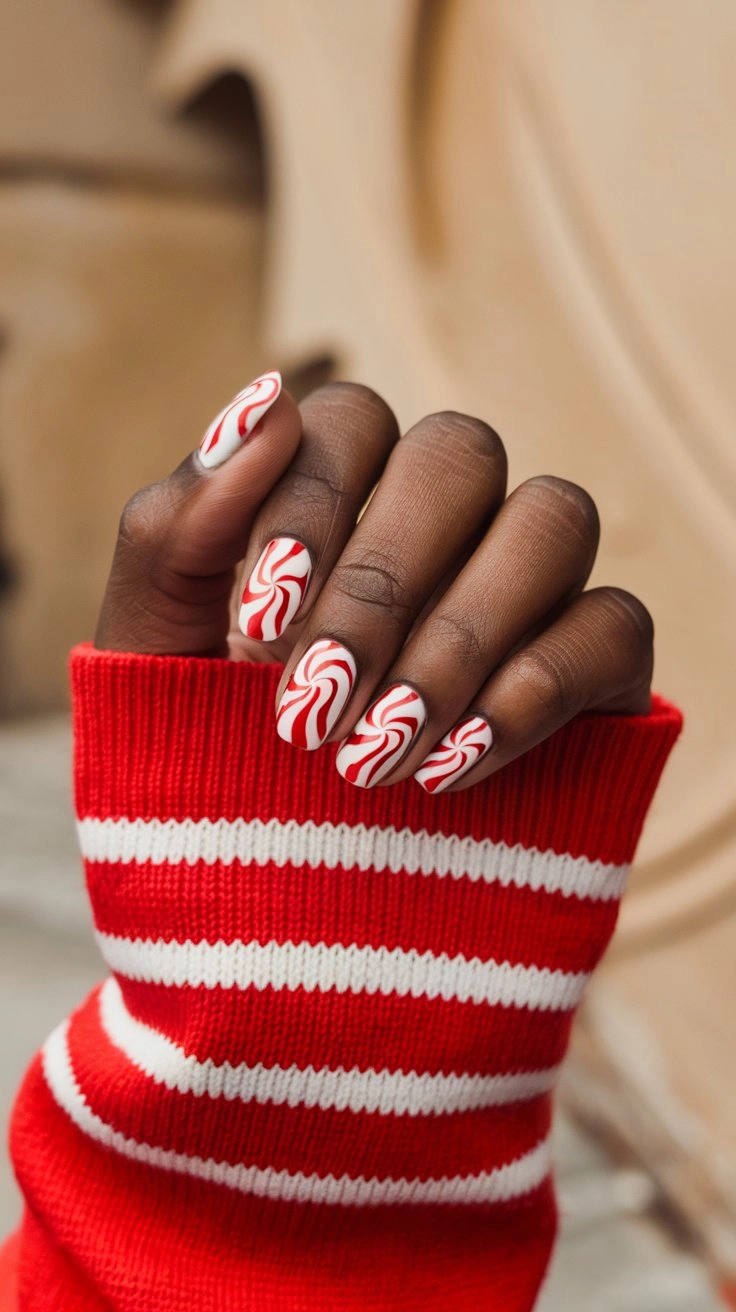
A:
275,590
382,736
234,425
458,752
316,694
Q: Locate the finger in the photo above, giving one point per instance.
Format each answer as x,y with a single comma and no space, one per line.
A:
180,539
443,482
597,655
540,548
348,433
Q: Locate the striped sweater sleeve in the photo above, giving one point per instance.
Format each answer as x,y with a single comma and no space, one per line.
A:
319,1072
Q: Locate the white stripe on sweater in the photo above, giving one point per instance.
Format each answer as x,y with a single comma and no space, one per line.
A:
384,1091
352,969
497,1185
349,845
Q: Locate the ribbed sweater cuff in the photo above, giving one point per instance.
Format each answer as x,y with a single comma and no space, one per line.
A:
320,1075
188,738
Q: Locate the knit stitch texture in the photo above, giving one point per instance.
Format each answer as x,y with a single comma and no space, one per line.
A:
319,1074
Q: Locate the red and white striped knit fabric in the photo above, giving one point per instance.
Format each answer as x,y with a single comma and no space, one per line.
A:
319,1074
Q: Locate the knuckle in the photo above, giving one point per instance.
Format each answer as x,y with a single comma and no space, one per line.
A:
350,392
359,407
376,581
632,624
466,436
547,680
573,505
458,637
140,521
313,487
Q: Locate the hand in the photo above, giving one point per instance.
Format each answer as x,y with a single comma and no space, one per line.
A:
442,633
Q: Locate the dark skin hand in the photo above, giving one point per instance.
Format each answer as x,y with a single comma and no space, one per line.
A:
471,601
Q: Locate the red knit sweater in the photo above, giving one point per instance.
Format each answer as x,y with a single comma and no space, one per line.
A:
319,1074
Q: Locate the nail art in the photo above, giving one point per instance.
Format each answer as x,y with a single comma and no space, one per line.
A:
275,590
234,425
458,752
382,736
316,694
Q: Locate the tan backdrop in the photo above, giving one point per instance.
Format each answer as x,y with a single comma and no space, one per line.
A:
520,208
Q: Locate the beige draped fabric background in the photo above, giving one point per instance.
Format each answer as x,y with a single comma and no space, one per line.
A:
520,208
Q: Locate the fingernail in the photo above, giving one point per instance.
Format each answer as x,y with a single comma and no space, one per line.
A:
234,425
316,694
382,736
275,590
458,752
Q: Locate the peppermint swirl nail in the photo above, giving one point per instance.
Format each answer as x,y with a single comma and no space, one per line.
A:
234,425
458,752
382,736
275,590
316,694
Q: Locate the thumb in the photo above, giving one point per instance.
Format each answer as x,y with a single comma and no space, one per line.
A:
180,539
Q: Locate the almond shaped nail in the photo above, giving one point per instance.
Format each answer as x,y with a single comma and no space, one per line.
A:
234,425
275,590
382,736
316,694
458,752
